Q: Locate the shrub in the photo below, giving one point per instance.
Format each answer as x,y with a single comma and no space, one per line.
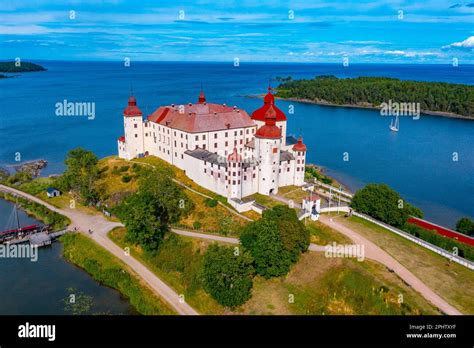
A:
126,178
227,276
197,225
210,202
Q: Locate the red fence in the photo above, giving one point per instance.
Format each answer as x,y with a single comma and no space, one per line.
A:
442,230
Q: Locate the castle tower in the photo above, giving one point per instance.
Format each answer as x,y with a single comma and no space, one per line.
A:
299,151
269,106
133,128
234,173
267,152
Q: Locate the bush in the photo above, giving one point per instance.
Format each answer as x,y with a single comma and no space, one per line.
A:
466,226
227,276
384,204
124,168
276,241
126,178
211,202
445,243
197,225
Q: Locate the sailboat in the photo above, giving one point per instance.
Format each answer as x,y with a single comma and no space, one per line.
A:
394,125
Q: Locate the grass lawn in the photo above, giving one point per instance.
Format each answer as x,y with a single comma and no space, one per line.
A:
323,234
211,219
451,281
108,270
294,193
178,263
266,201
321,286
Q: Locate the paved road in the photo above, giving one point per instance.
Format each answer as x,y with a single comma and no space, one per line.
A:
100,227
374,252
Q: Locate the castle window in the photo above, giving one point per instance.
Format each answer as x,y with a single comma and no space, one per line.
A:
215,135
241,141
226,134
288,161
238,182
135,125
233,164
233,182
175,143
279,170
215,145
205,170
181,156
288,169
204,137
298,169
204,146
175,154
174,133
246,131
235,142
218,175
235,133
136,135
253,176
241,132
186,137
205,162
245,177
212,172
226,144
181,145
197,137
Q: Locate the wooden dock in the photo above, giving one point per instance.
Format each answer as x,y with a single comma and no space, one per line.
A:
39,239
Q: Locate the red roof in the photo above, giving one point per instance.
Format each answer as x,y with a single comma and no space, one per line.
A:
269,130
132,109
268,106
121,139
234,156
201,117
202,98
313,198
299,146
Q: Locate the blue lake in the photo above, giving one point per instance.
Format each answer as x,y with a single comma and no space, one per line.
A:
417,161
40,287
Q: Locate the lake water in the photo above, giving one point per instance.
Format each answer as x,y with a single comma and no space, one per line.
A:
40,287
417,161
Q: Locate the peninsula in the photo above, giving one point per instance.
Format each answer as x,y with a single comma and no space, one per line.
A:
435,98
11,67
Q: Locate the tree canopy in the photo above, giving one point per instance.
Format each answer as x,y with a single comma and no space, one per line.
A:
227,275
275,241
432,96
465,225
384,204
80,174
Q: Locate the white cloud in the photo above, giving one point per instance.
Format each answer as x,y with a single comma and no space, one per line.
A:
466,44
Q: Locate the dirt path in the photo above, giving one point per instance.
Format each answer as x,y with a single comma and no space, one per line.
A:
100,227
374,252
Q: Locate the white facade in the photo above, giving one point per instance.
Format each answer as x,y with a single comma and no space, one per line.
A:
216,146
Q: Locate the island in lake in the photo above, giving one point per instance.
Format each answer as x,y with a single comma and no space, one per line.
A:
12,67
434,98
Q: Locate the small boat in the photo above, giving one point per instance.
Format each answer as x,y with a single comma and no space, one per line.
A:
394,126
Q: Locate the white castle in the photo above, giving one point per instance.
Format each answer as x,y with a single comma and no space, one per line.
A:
219,147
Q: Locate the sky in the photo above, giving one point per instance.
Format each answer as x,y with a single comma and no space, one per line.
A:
392,31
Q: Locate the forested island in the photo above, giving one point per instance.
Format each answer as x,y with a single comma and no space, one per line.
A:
11,67
436,98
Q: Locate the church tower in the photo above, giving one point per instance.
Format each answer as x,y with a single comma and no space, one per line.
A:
267,146
269,106
133,126
299,151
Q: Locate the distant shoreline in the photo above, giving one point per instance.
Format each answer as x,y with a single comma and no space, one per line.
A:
369,107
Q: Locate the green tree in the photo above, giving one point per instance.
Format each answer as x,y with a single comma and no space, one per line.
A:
172,197
262,238
465,225
227,275
145,218
293,234
384,204
80,174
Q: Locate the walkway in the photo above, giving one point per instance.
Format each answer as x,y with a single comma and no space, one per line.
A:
100,227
